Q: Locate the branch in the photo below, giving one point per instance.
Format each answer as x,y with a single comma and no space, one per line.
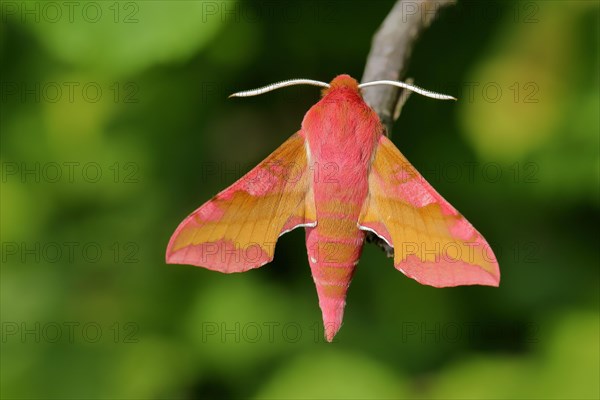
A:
390,54
388,59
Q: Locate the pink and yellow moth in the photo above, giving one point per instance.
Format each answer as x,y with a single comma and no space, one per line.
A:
339,177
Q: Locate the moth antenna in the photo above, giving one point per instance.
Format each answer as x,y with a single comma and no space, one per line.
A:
278,85
416,89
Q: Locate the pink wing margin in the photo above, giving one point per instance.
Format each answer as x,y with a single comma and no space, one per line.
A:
433,243
237,229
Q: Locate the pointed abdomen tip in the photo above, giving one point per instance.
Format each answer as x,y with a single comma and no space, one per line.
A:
330,331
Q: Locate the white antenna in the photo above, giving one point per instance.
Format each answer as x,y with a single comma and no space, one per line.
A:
413,88
278,85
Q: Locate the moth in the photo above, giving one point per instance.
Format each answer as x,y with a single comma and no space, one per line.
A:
341,179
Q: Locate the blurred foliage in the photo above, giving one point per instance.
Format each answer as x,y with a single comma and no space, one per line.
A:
126,102
552,99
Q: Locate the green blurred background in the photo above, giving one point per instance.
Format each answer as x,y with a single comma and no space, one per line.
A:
115,124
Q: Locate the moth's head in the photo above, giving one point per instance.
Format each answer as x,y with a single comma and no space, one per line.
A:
341,82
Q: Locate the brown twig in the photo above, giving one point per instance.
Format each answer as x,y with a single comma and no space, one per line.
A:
388,59
390,53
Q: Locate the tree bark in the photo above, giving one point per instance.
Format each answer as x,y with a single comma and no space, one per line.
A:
389,58
390,54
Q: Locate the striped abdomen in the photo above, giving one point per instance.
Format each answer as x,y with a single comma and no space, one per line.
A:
334,247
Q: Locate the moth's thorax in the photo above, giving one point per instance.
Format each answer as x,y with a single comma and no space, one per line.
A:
341,131
341,127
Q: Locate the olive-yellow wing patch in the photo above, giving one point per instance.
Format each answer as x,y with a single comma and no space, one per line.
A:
237,229
433,243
